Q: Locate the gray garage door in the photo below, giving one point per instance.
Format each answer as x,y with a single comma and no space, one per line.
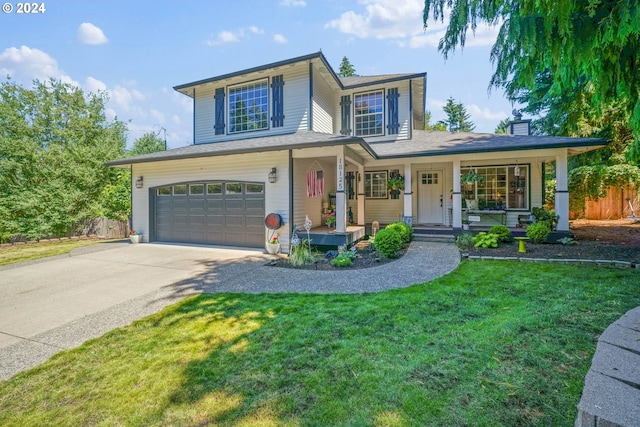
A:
219,213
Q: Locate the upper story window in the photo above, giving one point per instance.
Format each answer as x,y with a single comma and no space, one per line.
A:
369,113
249,106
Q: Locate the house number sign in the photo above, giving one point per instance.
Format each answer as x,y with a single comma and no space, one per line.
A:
340,186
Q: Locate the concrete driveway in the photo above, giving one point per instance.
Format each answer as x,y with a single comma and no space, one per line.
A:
61,302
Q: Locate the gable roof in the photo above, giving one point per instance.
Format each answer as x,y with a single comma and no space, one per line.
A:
302,139
423,144
437,143
357,81
342,82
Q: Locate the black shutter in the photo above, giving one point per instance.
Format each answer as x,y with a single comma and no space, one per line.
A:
219,102
392,100
277,101
345,105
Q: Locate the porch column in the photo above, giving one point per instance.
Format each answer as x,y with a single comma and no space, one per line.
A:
361,195
341,202
408,196
457,197
562,191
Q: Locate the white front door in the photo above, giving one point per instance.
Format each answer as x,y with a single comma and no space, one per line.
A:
430,196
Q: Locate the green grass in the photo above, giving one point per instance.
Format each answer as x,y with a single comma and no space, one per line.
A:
491,344
20,253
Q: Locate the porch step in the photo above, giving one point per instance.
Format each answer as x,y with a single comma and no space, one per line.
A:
447,238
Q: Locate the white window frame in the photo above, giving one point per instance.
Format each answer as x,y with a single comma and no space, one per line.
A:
357,127
525,170
377,189
256,85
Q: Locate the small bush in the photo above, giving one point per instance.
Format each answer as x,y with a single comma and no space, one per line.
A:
342,260
388,242
464,240
504,234
485,240
406,232
301,254
538,232
546,216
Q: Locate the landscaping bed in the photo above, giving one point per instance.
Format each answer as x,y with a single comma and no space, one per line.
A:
616,240
366,257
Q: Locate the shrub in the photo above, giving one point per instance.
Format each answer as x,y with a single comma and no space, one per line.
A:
388,242
504,234
485,240
464,240
405,231
546,216
301,254
344,259
538,232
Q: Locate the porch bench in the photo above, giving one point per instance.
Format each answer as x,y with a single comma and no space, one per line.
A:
497,215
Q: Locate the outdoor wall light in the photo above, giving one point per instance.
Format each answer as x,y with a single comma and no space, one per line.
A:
273,176
139,182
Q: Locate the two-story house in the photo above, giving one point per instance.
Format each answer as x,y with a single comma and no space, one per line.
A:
294,139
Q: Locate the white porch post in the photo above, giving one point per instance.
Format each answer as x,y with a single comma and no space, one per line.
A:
562,191
457,197
361,195
341,202
408,196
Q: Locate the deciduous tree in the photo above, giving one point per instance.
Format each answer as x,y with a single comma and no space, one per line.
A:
54,141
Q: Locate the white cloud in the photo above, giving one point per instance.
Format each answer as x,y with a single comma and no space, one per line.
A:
256,30
479,113
232,37
279,38
294,3
26,64
401,21
90,34
94,85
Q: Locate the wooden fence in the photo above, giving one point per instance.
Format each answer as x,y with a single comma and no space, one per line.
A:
104,227
614,206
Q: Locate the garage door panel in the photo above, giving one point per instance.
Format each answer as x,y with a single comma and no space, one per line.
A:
217,218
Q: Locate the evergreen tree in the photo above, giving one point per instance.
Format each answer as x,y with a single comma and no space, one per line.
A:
584,48
346,69
457,117
436,126
502,126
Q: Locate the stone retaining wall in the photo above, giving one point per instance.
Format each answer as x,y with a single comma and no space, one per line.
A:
611,394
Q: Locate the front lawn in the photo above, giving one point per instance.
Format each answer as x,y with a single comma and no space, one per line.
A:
491,344
19,253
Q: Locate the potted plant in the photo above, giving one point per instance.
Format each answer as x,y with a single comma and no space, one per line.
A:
134,236
465,224
395,184
471,177
330,219
273,245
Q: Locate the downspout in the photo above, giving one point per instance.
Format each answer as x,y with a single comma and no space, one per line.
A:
290,197
310,121
194,116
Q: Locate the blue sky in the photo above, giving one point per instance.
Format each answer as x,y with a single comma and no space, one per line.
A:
138,50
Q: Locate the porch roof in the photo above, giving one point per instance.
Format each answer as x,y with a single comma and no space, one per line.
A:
302,139
437,143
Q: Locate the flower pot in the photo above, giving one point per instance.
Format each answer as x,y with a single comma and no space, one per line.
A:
465,226
273,249
135,238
